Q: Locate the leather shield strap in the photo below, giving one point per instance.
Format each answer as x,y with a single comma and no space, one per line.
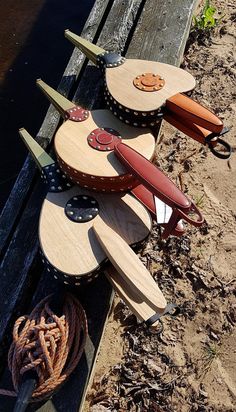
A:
193,112
160,185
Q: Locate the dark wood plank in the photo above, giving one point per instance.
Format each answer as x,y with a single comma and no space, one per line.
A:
22,210
18,197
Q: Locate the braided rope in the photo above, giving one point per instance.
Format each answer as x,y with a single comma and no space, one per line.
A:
49,344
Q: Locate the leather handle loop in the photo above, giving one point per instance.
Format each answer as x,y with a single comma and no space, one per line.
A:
170,309
217,153
188,219
177,215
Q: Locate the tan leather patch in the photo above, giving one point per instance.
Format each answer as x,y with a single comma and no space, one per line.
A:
149,82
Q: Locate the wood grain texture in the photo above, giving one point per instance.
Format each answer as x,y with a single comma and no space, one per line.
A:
162,31
128,265
120,85
72,146
72,247
138,304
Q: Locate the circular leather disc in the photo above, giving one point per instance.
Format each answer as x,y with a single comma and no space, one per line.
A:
149,82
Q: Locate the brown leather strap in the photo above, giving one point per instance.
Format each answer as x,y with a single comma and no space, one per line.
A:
193,112
192,130
204,136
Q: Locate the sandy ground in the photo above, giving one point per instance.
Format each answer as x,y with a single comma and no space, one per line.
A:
189,364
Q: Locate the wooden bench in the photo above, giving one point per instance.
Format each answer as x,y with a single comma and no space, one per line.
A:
147,29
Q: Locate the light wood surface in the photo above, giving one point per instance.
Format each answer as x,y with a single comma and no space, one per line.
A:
73,247
72,146
131,296
128,265
120,84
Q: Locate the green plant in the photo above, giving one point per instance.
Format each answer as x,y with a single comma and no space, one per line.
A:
206,19
210,353
199,202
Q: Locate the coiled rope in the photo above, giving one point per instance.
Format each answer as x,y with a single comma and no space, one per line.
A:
48,344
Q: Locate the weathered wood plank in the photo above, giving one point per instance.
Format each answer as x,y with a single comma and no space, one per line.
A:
168,22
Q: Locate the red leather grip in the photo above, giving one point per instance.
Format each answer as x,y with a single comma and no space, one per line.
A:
193,112
196,132
152,178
